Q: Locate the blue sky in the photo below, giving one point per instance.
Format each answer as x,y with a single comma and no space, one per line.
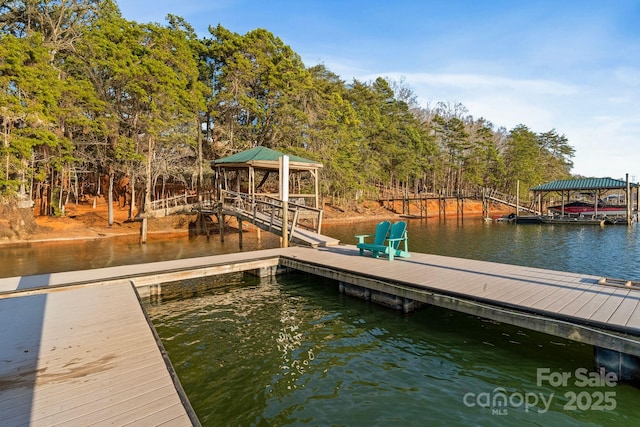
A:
572,65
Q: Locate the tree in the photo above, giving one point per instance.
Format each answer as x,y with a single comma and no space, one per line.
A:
332,135
535,158
257,81
29,94
557,154
452,137
147,78
59,23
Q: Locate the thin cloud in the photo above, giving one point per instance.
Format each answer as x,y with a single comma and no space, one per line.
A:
493,83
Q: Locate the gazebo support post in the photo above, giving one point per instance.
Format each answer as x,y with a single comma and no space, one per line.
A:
627,199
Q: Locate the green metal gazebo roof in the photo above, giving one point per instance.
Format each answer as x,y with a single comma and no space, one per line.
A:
583,184
263,157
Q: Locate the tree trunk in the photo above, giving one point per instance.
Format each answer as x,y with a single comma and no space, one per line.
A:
147,195
110,199
132,203
200,160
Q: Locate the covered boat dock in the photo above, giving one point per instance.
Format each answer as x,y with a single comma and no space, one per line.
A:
588,200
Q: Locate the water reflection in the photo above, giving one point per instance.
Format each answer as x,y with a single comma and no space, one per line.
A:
51,257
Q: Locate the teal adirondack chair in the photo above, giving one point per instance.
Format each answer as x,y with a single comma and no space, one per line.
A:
378,240
397,234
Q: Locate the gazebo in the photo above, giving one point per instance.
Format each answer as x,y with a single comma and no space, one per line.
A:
261,163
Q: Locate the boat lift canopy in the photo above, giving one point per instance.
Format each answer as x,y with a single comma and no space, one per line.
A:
598,187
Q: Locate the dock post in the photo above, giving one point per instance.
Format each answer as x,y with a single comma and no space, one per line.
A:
625,366
485,208
220,217
444,206
635,214
426,207
517,199
285,224
284,196
221,226
240,232
627,198
143,230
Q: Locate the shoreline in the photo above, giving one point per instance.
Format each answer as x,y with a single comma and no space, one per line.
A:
106,232
84,223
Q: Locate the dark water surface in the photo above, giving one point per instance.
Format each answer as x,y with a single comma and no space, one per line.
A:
294,351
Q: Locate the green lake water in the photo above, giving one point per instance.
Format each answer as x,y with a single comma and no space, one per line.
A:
294,351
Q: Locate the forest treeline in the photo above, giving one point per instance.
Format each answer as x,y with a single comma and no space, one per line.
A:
85,94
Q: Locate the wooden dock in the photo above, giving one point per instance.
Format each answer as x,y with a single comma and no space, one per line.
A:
569,305
85,355
77,347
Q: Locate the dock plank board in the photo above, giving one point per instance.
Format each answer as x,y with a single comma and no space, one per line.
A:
78,397
598,300
543,300
606,310
87,355
621,315
634,320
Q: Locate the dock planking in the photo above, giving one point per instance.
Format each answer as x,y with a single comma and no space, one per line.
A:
84,355
141,274
77,347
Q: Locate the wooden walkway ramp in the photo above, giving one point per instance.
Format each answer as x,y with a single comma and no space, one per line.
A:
267,213
274,225
510,201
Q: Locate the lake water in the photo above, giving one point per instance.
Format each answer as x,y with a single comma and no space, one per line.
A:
294,351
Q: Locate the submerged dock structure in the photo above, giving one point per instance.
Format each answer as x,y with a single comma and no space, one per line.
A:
78,348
